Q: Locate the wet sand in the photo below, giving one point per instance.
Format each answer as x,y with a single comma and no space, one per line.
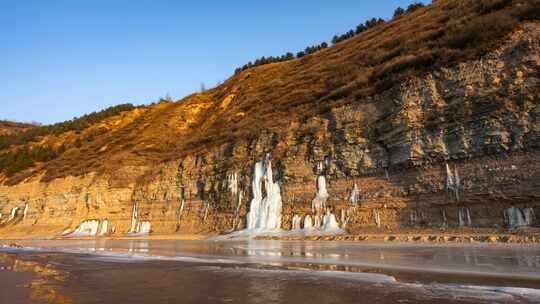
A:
12,285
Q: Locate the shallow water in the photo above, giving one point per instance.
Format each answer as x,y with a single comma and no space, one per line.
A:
128,271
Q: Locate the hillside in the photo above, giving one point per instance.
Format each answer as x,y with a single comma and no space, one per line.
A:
454,82
11,127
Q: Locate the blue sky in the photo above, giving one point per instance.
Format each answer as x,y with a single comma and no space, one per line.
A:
61,59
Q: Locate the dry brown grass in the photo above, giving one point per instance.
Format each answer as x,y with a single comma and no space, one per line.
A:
269,97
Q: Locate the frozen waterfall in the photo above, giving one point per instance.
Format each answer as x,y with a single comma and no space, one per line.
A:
319,202
308,222
264,213
296,222
464,217
355,195
516,218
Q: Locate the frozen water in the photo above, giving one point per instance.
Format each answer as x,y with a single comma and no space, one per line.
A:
13,213
264,213
25,212
515,217
104,227
86,228
464,217
318,204
355,195
296,222
308,222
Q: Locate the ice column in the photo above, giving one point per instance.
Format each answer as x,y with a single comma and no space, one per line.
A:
377,217
104,227
25,212
529,216
296,221
308,222
319,202
355,195
134,216
330,222
264,213
464,217
515,218
13,213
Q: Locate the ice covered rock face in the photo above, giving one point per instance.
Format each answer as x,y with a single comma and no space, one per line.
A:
265,212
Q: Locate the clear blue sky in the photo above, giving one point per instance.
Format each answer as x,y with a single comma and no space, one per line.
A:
60,59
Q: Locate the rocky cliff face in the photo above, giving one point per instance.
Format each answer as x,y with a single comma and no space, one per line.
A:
454,147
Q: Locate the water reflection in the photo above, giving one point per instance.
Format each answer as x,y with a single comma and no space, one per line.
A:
504,260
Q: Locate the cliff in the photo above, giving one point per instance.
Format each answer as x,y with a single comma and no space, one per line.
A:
453,143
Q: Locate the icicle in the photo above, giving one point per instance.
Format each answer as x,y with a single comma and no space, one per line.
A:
181,210
206,208
344,218
464,217
529,216
237,212
134,217
318,221
25,212
144,228
412,217
13,213
449,179
319,202
308,222
296,222
444,219
377,218
355,195
515,218
457,183
104,228
386,174
232,183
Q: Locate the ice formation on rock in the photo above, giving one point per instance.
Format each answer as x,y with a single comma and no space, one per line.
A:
143,228
330,222
377,217
318,205
13,213
529,216
104,227
444,219
453,182
265,212
86,228
413,215
237,212
25,212
355,195
515,218
296,222
134,217
232,183
308,222
464,217
344,218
